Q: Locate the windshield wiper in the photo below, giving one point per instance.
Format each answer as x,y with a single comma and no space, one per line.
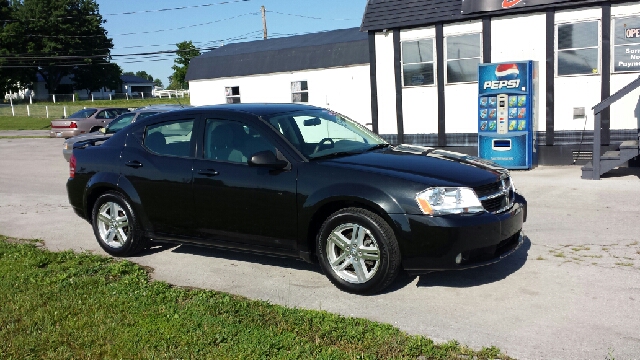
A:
335,154
379,146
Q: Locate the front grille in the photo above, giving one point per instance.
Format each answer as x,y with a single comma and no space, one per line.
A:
488,189
496,197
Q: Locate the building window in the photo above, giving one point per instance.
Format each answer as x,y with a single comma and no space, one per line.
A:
626,44
463,56
417,63
578,50
232,93
299,91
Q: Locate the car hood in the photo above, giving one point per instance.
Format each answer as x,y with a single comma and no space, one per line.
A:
418,163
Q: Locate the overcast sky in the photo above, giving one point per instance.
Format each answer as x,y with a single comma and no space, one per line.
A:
210,23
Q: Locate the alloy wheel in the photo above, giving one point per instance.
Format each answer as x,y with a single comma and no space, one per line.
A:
113,224
353,253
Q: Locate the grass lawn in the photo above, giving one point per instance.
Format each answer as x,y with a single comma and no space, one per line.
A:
38,111
24,123
78,305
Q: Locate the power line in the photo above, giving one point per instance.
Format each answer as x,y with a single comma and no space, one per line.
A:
308,17
136,33
206,47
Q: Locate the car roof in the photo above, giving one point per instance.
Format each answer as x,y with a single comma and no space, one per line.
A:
259,109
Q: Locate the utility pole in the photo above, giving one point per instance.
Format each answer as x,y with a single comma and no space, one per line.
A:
264,22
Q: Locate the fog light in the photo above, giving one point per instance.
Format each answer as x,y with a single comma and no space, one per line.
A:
459,258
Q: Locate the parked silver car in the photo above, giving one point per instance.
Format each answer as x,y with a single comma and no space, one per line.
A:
84,121
117,124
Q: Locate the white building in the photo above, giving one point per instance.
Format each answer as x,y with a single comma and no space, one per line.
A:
586,51
412,71
327,69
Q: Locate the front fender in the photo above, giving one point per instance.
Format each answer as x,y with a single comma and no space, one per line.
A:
369,195
320,204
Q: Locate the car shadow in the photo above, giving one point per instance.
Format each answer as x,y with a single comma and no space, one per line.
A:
481,275
451,278
247,256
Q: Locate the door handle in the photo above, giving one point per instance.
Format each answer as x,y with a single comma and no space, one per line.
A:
208,172
134,164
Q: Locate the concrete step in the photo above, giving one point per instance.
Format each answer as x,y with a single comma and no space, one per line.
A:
611,155
629,144
587,171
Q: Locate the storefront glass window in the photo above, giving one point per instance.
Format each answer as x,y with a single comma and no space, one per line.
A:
417,62
626,44
463,57
578,48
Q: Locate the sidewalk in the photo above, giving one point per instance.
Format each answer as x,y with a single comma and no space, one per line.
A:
43,133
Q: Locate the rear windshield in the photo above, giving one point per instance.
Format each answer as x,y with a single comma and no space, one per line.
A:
82,114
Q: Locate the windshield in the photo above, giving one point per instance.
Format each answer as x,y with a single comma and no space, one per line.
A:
82,114
321,133
119,122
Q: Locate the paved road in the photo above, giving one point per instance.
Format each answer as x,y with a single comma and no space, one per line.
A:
571,292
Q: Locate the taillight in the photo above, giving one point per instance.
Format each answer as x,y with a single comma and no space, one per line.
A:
72,166
73,125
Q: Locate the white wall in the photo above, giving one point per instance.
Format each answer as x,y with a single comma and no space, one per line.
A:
576,91
625,113
532,47
461,100
386,84
346,90
420,103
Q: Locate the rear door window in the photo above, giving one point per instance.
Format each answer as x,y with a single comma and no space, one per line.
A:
172,138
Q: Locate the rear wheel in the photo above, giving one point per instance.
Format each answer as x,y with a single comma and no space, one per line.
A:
115,225
358,251
95,128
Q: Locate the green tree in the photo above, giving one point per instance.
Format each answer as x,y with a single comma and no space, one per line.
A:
61,38
186,52
143,74
94,77
12,72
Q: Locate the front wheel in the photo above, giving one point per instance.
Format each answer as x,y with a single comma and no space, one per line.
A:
115,225
358,251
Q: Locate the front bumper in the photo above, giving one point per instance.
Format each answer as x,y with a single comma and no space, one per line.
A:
459,242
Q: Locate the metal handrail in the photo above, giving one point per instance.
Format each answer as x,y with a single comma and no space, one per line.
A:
597,122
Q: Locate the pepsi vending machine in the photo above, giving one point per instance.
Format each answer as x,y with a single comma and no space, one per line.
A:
507,119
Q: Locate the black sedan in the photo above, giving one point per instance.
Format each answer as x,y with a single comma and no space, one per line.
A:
295,180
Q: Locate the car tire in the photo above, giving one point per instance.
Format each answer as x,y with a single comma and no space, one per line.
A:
116,226
358,251
95,128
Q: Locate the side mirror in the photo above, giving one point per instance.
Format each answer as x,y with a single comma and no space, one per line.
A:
103,130
267,159
312,122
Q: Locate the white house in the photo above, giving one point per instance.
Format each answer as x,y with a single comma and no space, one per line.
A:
327,69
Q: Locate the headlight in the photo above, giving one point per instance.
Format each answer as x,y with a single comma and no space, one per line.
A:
444,200
65,146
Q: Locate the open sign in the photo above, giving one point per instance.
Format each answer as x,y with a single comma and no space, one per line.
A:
632,33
